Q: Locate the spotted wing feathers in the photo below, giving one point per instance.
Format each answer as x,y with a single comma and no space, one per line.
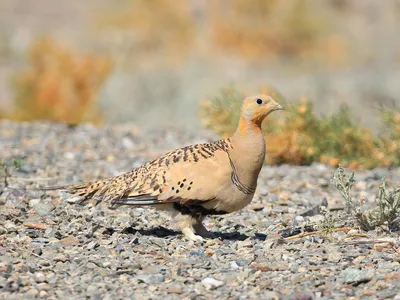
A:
182,175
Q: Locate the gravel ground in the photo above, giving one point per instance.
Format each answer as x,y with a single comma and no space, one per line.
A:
52,249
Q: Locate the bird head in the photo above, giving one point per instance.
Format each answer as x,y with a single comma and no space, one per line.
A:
256,108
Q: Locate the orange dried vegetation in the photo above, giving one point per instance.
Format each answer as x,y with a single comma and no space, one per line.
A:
59,85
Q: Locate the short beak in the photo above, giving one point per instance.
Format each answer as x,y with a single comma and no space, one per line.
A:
278,107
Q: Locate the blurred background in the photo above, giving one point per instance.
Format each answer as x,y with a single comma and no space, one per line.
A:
151,62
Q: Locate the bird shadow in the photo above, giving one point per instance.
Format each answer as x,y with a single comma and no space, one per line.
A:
163,232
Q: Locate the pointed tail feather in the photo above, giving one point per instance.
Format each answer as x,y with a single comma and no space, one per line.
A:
82,191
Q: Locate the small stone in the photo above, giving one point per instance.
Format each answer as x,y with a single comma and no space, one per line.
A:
40,277
51,278
176,289
361,185
299,219
38,251
92,245
92,290
303,296
32,292
234,265
246,243
151,279
90,265
25,239
44,208
34,202
211,283
356,276
316,219
69,155
334,256
9,226
352,231
302,269
60,257
196,253
69,241
256,207
43,294
270,295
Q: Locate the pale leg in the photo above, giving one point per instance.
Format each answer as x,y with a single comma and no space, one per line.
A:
185,224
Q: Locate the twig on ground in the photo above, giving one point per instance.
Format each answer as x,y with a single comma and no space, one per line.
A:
364,242
304,234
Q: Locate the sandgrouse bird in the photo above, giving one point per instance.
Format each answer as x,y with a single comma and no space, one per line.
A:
194,181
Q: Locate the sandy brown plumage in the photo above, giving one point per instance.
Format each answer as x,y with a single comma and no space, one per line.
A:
194,181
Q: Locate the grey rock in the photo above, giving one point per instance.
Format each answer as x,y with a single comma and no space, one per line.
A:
43,208
356,276
151,279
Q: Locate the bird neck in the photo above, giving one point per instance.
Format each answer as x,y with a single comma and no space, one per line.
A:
248,150
248,127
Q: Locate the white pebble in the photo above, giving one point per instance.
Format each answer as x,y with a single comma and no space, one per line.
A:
211,283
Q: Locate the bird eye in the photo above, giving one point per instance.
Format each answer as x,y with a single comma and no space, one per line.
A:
259,101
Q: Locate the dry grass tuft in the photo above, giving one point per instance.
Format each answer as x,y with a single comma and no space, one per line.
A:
386,214
58,85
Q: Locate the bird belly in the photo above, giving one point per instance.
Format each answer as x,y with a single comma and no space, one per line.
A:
231,199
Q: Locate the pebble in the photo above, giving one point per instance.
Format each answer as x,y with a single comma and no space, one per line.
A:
175,289
211,283
44,208
355,276
151,279
334,256
69,241
40,277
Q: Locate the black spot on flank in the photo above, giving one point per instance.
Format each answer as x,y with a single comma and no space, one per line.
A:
172,188
179,182
176,158
184,180
167,162
189,188
177,191
181,185
160,190
191,182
